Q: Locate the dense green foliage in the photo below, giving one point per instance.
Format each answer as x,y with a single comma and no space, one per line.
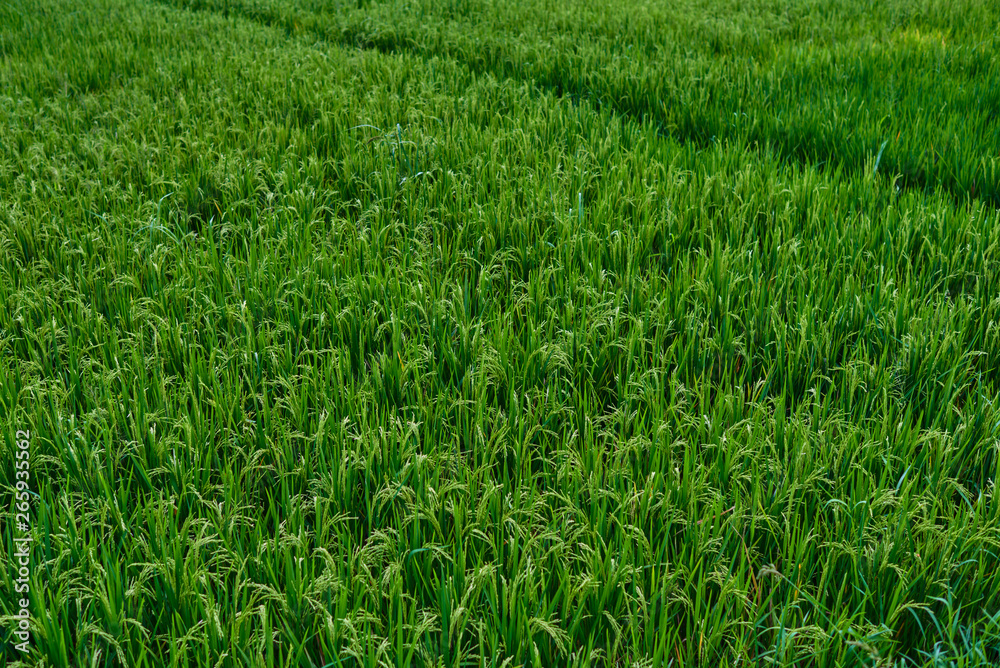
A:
471,333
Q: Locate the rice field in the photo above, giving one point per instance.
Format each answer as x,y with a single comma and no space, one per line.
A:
454,333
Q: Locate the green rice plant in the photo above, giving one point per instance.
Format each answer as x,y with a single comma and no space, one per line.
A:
471,333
